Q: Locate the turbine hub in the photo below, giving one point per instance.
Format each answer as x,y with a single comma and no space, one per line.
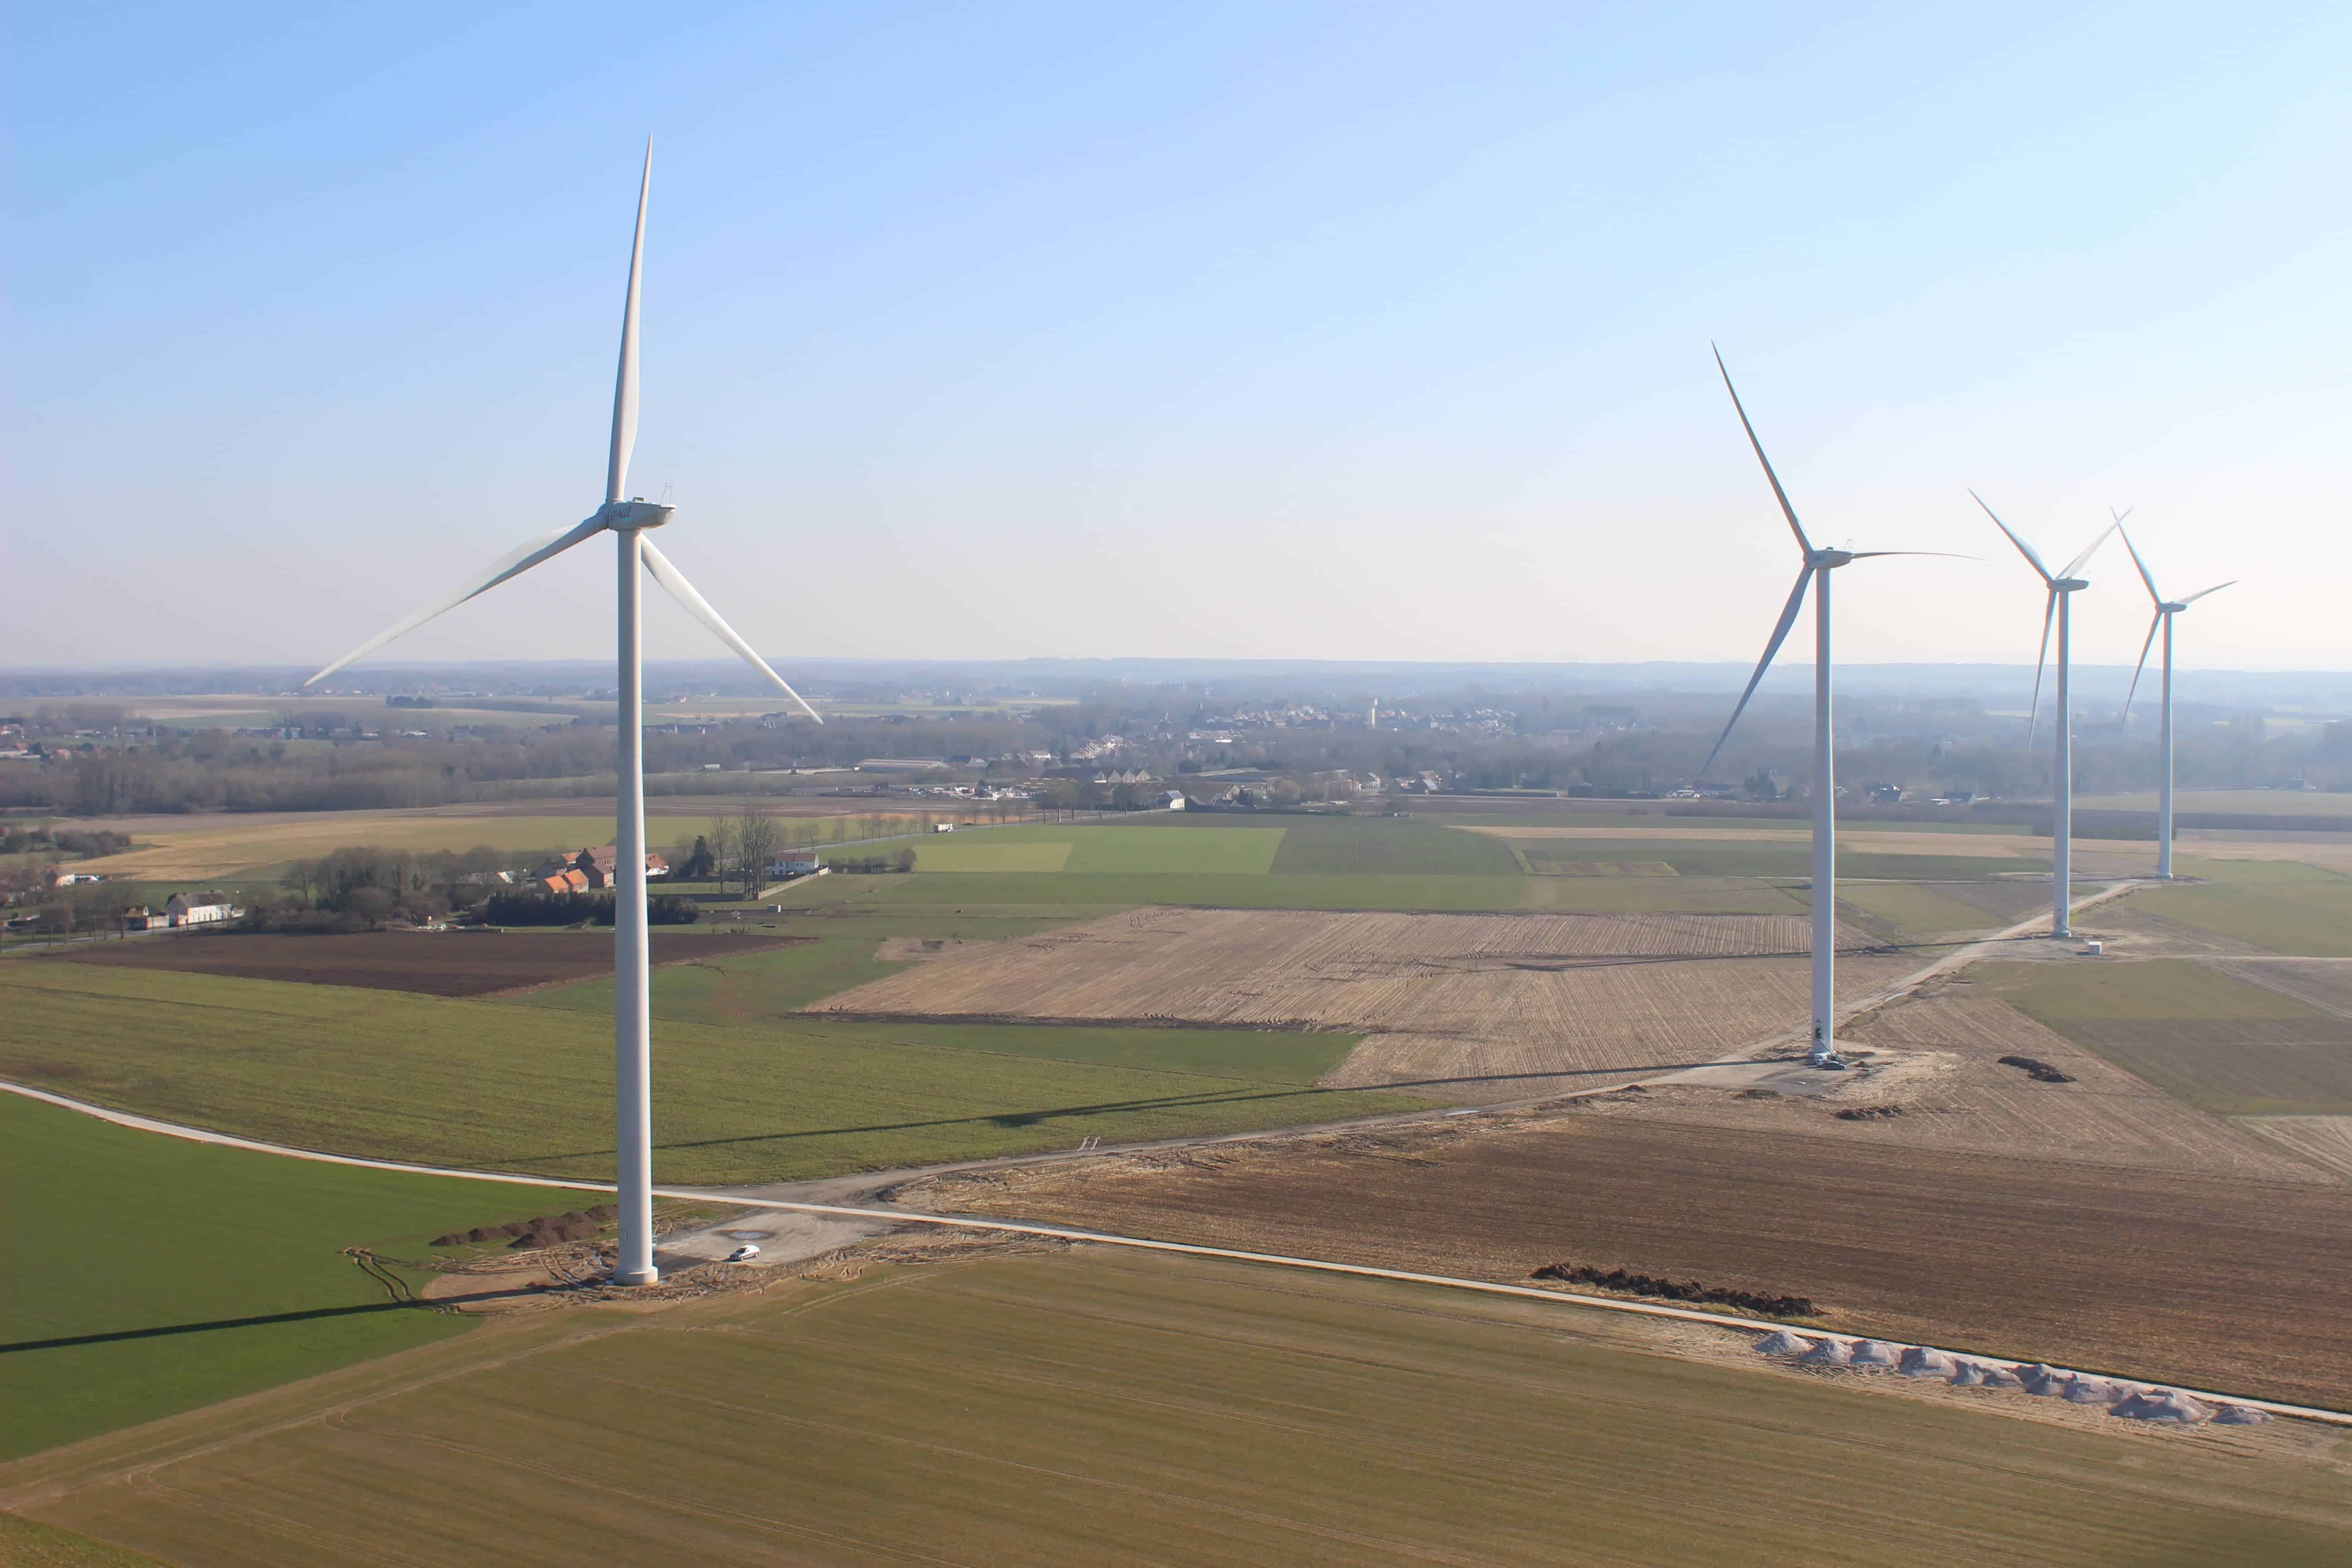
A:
629,516
1824,560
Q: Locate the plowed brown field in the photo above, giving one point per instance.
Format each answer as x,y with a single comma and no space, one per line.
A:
436,964
2219,1282
1486,1002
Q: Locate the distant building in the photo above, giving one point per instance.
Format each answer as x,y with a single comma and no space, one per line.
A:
794,863
197,909
1169,800
67,878
596,868
137,917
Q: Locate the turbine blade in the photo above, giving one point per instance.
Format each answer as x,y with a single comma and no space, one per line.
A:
671,578
2089,550
2138,563
1779,635
2153,620
1938,555
1777,493
2202,591
2049,609
2024,549
511,564
624,381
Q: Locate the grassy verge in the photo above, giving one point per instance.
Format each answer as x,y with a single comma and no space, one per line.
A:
491,1085
184,1246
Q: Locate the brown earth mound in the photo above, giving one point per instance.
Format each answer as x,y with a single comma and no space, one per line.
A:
582,1223
434,964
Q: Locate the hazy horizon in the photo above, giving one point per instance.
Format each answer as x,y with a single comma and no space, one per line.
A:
1341,332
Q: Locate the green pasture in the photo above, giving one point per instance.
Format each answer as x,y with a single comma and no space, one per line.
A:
2155,988
29,1543
1098,1406
1768,858
491,1085
1916,910
221,1271
2218,1042
2305,917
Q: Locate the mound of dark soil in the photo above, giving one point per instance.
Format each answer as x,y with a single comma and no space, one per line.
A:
545,1230
2038,1071
1866,1112
1675,1291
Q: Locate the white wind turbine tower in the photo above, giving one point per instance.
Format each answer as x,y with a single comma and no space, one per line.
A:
626,520
1818,565
2063,588
2165,610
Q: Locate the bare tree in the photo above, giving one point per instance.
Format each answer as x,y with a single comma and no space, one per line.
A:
759,837
725,852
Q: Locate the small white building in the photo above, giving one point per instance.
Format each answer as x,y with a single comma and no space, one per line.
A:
67,878
198,909
1169,800
794,863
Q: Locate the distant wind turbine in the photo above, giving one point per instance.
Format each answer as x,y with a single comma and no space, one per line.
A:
1818,565
2063,588
2165,610
627,520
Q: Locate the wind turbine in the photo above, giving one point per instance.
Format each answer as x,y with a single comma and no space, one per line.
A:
2063,588
1818,564
2165,610
626,520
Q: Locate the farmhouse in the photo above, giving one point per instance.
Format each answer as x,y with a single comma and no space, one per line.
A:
198,909
1169,800
792,863
595,867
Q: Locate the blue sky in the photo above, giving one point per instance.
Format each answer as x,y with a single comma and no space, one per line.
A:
1353,331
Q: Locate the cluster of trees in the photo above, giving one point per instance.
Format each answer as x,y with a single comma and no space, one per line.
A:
360,886
872,865
62,843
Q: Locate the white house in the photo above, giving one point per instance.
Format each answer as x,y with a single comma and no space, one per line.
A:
1169,800
790,863
67,878
197,909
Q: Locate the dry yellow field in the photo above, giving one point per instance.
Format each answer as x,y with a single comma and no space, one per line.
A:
1526,1003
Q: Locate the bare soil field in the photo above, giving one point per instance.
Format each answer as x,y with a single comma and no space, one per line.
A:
1486,1002
2233,1283
437,963
2323,1139
1952,1090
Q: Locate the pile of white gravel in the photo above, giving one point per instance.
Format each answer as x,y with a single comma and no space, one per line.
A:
2126,1401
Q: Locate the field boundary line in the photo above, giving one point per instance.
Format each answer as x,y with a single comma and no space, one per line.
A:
1105,1238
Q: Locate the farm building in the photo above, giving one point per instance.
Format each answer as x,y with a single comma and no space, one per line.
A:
794,863
67,878
1169,800
137,917
197,909
596,865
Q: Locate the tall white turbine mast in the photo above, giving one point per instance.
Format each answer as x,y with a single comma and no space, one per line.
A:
1818,565
2063,588
627,520
2165,610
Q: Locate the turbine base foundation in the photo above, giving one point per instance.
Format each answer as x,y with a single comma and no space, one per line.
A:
634,1276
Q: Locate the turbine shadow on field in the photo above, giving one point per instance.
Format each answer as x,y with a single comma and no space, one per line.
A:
991,1118
265,1320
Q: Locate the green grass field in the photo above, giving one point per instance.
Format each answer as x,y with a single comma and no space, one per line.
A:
178,1247
2218,1043
1104,1408
1913,911
2303,917
2155,989
1763,857
491,1085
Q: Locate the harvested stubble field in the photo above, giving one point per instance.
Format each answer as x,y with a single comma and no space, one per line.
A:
2217,1282
432,965
1455,999
1107,1408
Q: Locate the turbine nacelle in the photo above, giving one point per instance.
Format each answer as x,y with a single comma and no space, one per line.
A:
629,516
2068,584
1822,559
